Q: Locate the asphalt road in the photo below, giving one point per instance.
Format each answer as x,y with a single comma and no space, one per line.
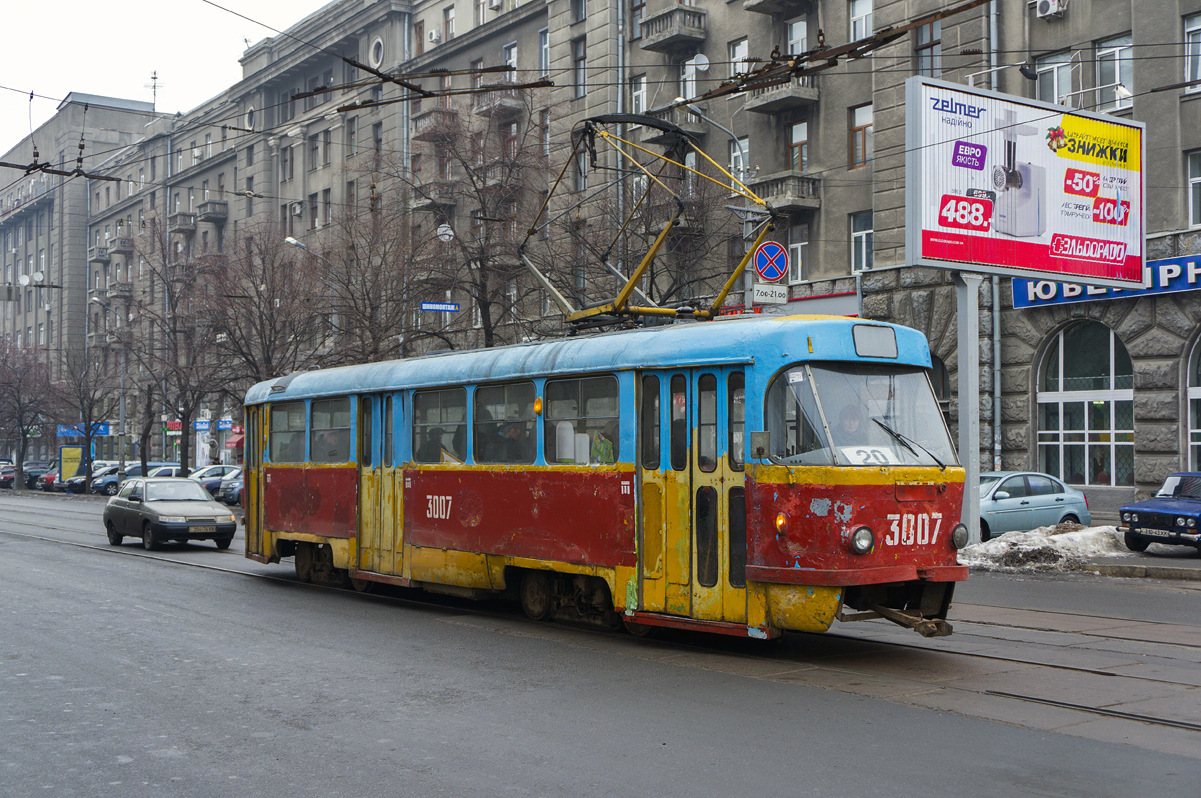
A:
128,675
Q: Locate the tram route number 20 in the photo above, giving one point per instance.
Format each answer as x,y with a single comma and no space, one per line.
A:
437,507
913,528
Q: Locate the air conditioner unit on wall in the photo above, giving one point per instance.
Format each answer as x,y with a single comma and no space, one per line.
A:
1045,9
434,36
297,208
496,5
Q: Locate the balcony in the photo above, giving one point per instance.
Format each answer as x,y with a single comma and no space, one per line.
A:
789,7
679,28
213,211
182,223
121,245
98,255
796,93
436,125
503,103
433,196
689,123
789,191
119,291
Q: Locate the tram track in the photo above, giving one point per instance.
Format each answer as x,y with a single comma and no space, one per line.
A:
720,647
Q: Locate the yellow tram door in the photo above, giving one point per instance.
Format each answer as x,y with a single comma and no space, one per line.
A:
718,528
378,541
253,443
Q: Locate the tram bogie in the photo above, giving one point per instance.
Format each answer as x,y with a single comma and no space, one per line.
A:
610,478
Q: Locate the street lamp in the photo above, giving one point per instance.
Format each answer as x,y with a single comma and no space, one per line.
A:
1119,90
121,417
1026,68
748,279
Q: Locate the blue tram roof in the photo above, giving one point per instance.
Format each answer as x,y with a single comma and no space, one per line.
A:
772,342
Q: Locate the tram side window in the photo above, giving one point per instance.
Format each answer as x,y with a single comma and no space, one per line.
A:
389,459
287,433
330,431
736,397
706,422
797,435
440,426
504,424
581,421
679,422
649,433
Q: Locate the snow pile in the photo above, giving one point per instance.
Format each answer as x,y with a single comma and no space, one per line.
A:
1063,547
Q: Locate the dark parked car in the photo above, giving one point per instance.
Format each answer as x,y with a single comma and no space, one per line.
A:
75,483
47,479
1017,501
230,491
159,509
108,485
1173,516
211,476
7,475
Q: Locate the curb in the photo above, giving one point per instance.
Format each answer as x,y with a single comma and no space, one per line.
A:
1147,572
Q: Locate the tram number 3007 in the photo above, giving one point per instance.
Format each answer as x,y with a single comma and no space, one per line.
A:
910,528
437,507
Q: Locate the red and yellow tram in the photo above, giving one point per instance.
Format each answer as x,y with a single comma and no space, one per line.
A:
746,477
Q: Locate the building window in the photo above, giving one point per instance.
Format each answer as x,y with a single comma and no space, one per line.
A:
419,37
352,132
1054,77
687,69
1192,50
327,213
1194,411
544,130
314,151
861,241
581,171
543,52
313,212
929,49
798,251
579,65
861,136
638,94
740,154
285,163
377,137
508,56
1194,189
1086,407
327,142
798,35
448,23
861,19
738,50
637,12
798,146
477,12
1115,64
579,10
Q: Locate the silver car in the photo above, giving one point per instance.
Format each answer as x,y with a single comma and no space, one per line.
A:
159,509
1017,501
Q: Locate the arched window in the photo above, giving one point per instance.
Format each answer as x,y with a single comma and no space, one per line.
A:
1086,407
1194,409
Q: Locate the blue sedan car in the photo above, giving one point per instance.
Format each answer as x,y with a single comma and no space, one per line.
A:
1017,501
1172,516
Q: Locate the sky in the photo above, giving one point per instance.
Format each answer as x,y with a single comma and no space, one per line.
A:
112,48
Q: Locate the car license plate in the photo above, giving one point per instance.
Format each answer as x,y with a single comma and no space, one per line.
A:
1155,533
203,530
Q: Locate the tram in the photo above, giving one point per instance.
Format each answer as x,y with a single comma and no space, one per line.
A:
744,477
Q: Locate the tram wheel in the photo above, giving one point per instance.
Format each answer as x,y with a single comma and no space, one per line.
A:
149,539
362,585
304,562
536,600
638,629
113,538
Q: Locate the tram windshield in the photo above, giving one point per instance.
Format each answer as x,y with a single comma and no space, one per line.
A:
856,414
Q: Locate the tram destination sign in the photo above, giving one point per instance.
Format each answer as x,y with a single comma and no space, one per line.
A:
1002,185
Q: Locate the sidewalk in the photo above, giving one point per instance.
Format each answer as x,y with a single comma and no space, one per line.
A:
1169,562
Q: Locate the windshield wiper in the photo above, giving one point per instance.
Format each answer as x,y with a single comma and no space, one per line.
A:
905,441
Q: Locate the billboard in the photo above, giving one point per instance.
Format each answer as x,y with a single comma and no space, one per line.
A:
1003,185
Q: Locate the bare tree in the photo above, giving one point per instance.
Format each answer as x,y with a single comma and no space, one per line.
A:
25,399
87,390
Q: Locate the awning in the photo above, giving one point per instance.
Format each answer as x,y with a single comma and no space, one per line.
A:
234,441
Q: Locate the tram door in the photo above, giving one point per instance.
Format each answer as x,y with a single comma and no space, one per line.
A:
693,544
254,441
378,494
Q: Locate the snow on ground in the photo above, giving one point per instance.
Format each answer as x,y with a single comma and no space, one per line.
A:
1063,547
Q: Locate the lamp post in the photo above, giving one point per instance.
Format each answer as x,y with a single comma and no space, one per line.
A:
121,412
748,278
1026,68
1119,91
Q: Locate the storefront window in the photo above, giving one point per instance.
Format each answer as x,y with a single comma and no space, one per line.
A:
1086,407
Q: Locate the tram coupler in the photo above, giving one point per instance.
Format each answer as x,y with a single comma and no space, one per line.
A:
926,627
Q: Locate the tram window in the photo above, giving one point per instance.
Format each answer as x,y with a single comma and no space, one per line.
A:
736,398
287,433
329,433
706,536
365,436
706,422
440,425
738,537
797,434
679,422
649,433
582,421
504,424
389,458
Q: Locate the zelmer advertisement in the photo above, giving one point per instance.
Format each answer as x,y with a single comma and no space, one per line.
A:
1022,188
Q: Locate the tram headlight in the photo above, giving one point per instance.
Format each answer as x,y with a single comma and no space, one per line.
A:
862,540
959,536
781,523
